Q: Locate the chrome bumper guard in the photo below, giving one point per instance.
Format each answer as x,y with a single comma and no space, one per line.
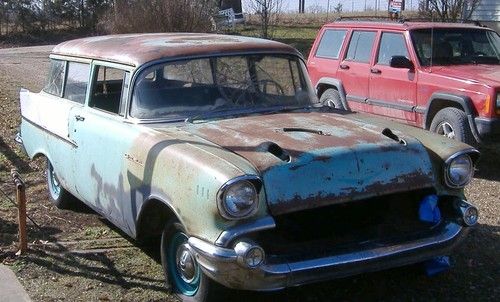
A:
223,265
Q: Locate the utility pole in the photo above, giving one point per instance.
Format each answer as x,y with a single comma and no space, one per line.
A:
302,5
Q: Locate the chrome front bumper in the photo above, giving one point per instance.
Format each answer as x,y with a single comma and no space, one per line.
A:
222,265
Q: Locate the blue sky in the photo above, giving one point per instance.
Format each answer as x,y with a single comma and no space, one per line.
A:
348,5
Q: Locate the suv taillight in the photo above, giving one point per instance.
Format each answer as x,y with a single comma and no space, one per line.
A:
497,103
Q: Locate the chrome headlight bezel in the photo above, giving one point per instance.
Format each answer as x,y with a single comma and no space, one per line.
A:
251,181
464,161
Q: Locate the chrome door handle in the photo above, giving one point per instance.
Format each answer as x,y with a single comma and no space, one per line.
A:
344,66
79,118
376,70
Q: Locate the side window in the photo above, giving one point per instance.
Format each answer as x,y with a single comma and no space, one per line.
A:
331,43
77,80
55,78
108,89
360,46
391,44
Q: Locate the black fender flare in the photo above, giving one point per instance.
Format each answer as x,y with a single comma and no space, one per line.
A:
462,100
337,84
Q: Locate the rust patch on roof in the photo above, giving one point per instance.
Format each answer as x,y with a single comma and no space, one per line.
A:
137,49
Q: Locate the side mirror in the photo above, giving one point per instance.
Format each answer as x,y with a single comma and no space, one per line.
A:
401,62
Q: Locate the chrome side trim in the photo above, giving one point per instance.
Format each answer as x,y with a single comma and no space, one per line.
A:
65,140
261,224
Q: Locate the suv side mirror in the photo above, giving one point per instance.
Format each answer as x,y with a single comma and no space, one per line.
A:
401,62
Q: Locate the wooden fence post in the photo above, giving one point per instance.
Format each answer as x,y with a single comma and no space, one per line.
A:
21,205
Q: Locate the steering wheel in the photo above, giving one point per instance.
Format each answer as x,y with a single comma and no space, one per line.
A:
264,83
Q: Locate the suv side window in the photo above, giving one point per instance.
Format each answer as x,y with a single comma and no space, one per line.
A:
55,79
331,43
77,80
360,46
107,89
391,44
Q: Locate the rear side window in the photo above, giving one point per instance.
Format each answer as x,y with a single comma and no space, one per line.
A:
331,43
76,82
391,44
360,46
55,78
108,89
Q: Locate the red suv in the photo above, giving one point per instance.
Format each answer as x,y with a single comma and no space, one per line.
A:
438,76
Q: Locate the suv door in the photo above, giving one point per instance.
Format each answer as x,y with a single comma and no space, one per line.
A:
354,70
392,90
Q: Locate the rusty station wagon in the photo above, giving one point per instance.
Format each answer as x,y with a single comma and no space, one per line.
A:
219,145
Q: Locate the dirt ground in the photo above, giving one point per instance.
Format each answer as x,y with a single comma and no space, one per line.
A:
77,256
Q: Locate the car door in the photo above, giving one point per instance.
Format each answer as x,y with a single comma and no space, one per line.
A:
354,70
392,90
102,138
50,110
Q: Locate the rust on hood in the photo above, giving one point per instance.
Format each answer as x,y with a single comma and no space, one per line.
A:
137,49
311,159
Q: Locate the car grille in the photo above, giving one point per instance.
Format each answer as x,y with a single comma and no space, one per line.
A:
349,226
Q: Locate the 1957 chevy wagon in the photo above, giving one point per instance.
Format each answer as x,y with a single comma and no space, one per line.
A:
219,145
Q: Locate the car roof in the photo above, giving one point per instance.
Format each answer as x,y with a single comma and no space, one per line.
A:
396,25
137,49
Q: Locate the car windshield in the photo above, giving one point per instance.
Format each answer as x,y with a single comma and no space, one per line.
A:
197,87
454,46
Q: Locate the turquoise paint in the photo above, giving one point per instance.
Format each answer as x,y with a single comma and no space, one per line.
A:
336,173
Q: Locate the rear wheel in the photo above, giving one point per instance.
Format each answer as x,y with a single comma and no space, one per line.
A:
331,98
182,272
59,196
453,123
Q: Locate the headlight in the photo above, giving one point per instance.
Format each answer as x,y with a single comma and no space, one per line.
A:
239,198
459,170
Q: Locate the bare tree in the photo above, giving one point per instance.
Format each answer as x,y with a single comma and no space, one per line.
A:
338,8
268,12
448,10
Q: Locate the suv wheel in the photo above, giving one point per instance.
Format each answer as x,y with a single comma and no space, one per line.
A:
453,123
331,98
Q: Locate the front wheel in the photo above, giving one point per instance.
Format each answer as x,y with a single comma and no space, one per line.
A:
453,123
182,272
331,98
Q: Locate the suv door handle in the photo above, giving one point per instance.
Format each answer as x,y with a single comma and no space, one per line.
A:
376,70
79,118
344,66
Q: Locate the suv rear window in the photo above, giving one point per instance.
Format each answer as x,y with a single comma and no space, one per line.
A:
360,46
331,43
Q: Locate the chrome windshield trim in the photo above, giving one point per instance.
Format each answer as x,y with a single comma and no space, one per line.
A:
261,224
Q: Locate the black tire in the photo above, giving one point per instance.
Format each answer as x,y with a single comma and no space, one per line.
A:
453,123
201,288
331,97
61,198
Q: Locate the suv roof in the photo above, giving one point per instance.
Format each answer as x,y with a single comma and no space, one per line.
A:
137,49
405,25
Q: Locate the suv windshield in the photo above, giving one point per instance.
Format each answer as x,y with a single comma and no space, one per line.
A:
453,46
186,88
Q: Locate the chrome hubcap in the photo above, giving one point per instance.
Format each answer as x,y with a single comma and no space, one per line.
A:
186,265
446,129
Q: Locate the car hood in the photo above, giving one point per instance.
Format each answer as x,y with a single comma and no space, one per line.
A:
484,74
313,159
